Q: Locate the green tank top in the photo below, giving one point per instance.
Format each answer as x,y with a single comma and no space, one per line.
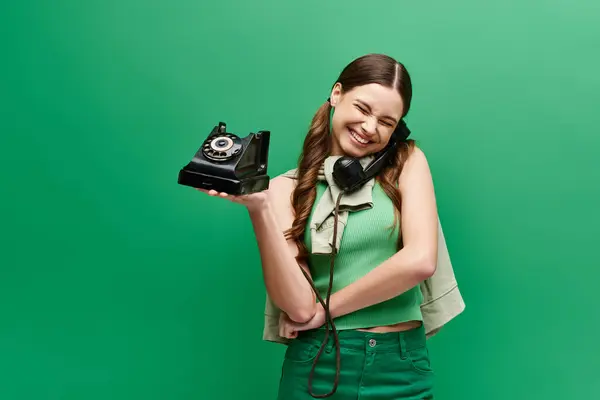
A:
366,243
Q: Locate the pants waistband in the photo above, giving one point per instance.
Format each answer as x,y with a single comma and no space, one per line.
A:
369,341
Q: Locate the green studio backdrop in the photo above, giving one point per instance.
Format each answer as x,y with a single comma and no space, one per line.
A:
117,283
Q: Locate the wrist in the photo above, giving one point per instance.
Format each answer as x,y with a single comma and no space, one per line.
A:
334,305
259,207
321,309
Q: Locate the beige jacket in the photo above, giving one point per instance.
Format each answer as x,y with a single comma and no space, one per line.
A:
442,300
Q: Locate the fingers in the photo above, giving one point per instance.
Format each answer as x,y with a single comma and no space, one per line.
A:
287,331
286,328
213,192
210,192
238,199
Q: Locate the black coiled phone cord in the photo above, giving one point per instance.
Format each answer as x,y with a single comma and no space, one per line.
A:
328,319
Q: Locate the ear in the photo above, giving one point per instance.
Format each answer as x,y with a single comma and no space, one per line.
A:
336,93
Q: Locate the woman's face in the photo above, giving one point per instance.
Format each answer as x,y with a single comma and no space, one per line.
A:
363,119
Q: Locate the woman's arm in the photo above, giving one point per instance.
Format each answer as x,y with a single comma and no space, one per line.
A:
416,261
285,283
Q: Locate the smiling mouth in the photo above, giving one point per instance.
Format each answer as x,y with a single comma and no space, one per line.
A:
359,138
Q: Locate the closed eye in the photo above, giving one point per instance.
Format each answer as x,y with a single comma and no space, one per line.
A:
362,109
366,110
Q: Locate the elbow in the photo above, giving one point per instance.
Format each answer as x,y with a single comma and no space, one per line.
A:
298,309
426,266
304,314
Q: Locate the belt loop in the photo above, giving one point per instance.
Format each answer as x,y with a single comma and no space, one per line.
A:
402,345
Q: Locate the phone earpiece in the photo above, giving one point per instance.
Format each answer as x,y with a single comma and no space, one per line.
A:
402,130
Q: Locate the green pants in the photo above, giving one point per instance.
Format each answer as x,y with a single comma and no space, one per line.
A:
374,366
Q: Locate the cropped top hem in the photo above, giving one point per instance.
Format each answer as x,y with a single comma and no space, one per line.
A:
342,324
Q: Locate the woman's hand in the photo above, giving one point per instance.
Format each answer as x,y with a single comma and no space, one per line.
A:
253,201
289,329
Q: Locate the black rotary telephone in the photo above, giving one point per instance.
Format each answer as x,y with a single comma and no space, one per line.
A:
349,175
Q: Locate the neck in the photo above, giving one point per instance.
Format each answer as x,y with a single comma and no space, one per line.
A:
336,150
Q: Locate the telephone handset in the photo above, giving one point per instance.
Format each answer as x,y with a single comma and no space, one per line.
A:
349,173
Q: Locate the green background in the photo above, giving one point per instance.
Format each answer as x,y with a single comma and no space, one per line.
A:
117,283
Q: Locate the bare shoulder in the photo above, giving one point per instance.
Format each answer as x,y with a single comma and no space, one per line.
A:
416,159
419,209
416,169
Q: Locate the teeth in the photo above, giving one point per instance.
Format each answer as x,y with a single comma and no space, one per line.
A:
358,138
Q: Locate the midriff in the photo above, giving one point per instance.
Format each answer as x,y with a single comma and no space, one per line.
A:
399,327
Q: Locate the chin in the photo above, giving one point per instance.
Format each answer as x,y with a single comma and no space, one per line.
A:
351,151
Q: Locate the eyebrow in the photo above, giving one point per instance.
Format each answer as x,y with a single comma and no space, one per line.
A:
370,109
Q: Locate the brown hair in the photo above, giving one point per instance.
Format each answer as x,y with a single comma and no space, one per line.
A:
370,68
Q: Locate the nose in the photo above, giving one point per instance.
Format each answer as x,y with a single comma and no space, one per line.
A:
369,126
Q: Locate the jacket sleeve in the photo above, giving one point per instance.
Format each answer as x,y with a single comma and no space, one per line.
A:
442,300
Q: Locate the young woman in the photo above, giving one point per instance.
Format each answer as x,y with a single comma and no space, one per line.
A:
383,237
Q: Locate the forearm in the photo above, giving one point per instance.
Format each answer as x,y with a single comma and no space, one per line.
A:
393,277
284,280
